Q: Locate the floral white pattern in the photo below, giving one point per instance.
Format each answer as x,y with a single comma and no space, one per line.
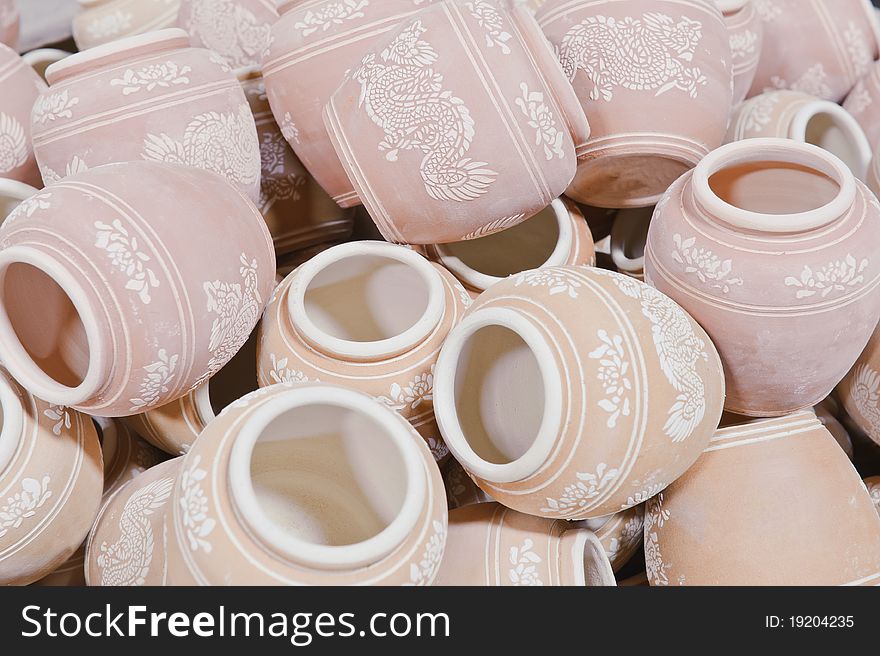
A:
577,497
74,166
125,255
275,185
495,226
613,373
194,507
289,129
743,44
760,111
152,76
859,99
864,395
229,28
558,280
768,10
51,107
330,14
709,269
859,49
813,81
60,415
411,395
112,24
835,276
493,22
24,503
13,143
424,571
655,517
542,119
157,379
281,374
29,206
643,495
631,533
524,565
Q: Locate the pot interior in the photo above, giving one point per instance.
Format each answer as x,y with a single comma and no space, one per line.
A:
826,131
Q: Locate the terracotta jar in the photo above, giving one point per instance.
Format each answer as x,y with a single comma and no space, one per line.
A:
620,534
149,97
366,315
746,31
129,319
820,47
490,545
791,481
21,86
460,488
458,124
863,102
770,245
654,78
237,30
859,391
298,212
306,484
10,21
873,485
50,483
805,118
102,21
628,236
12,193
574,393
555,236
42,58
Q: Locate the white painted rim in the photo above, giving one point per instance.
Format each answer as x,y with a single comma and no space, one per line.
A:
201,397
13,422
16,358
47,56
444,397
584,539
369,551
16,191
843,120
729,7
409,338
773,150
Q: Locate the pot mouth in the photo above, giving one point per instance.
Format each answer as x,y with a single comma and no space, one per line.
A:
629,233
366,300
774,154
832,128
41,58
108,436
466,259
132,46
16,357
728,7
590,564
12,417
236,379
383,427
12,194
490,452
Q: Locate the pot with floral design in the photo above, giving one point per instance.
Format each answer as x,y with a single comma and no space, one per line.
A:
21,86
819,47
12,193
574,393
237,30
770,245
654,78
746,30
801,514
10,21
298,212
555,236
490,545
102,21
863,103
458,124
103,305
805,118
148,97
620,534
873,485
306,484
629,232
367,315
50,483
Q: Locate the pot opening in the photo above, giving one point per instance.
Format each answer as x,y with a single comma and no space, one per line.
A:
832,128
774,187
235,379
591,561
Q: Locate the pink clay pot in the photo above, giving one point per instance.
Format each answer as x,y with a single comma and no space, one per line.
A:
490,545
863,102
22,85
746,30
10,21
12,193
819,47
149,97
102,21
654,111
458,124
128,318
237,30
859,391
620,534
771,246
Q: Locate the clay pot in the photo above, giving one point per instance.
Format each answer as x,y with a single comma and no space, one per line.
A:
12,193
859,391
863,102
654,112
490,545
574,393
128,318
367,315
628,236
174,426
819,47
149,97
306,484
237,30
102,21
804,118
873,485
555,236
769,244
298,212
460,488
484,136
21,86
10,21
746,30
791,481
620,534
43,58
50,483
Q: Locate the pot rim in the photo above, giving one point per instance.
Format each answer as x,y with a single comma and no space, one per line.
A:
623,233
13,422
730,7
843,120
584,542
15,190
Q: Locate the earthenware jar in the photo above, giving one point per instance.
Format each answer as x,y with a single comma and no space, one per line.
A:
50,483
129,319
805,118
21,86
460,488
367,315
574,392
555,236
174,427
746,30
9,23
128,542
477,132
620,534
237,30
774,239
43,58
298,212
820,47
628,235
859,391
489,544
102,21
149,97
863,102
873,485
654,77
307,483
12,193
792,480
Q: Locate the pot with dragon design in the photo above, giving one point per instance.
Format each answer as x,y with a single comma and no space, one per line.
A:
102,21
237,30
